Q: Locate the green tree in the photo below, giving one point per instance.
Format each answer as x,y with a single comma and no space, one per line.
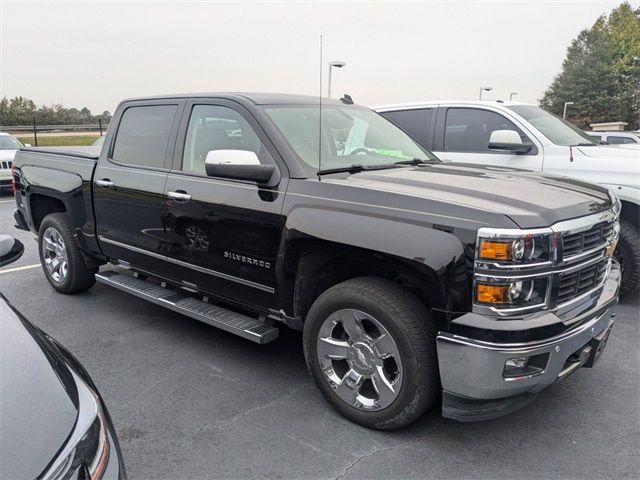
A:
21,111
601,72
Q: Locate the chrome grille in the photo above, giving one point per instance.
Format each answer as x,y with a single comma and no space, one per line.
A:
574,284
577,243
6,164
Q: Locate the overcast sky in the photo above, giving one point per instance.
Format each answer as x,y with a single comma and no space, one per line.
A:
95,53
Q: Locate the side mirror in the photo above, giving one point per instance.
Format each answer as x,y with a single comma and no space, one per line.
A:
27,145
237,164
508,140
10,250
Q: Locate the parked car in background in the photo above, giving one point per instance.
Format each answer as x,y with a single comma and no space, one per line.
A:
53,422
9,145
409,277
615,138
518,135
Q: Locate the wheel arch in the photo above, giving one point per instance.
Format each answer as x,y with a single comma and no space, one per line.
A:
320,264
42,205
631,212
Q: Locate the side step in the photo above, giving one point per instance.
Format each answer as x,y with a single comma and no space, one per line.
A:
244,326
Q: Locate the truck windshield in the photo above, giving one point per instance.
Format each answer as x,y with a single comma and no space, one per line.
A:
7,142
554,128
350,135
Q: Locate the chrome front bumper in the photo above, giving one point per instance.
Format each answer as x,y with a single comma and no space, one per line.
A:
472,371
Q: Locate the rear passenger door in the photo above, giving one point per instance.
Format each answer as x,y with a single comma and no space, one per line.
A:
462,135
129,183
224,234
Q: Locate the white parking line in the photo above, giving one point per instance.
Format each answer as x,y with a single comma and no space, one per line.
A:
7,201
17,269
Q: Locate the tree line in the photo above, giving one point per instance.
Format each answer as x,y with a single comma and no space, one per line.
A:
22,111
601,73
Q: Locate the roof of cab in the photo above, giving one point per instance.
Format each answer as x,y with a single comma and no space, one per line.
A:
255,98
435,103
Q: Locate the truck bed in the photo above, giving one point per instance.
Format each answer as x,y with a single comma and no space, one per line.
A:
57,180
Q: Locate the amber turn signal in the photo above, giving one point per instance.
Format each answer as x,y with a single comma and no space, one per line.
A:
492,250
486,293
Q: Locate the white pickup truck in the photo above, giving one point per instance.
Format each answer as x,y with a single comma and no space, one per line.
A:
8,148
525,136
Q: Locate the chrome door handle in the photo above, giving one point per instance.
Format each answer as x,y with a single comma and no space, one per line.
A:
104,183
179,196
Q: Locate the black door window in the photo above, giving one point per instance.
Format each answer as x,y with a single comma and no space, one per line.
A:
213,127
143,135
415,122
617,140
469,129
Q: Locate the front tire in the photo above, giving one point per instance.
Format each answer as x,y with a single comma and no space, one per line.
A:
60,256
628,254
370,347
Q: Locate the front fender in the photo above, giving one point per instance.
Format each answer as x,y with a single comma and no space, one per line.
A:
393,236
625,193
437,256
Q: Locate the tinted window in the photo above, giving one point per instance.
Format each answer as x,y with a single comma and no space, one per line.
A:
469,129
616,140
212,127
414,122
143,135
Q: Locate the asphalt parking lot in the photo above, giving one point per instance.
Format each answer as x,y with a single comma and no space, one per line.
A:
190,401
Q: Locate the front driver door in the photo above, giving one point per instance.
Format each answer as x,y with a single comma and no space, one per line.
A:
463,136
223,234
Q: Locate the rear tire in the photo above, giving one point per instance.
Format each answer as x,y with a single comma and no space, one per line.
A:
370,347
628,254
60,256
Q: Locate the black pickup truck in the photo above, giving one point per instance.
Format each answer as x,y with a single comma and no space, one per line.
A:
413,280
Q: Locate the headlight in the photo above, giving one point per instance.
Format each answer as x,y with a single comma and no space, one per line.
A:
510,271
88,445
511,294
518,250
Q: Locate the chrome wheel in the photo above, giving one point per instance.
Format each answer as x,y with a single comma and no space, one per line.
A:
54,254
359,359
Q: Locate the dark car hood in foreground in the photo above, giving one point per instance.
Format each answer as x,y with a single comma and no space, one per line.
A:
529,199
38,398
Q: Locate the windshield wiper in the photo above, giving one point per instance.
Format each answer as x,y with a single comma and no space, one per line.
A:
356,168
418,161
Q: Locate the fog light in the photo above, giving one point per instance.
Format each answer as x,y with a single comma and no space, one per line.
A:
516,362
524,367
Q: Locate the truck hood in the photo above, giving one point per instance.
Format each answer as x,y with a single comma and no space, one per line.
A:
629,151
531,200
37,398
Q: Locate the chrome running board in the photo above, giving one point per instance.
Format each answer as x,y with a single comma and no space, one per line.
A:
254,329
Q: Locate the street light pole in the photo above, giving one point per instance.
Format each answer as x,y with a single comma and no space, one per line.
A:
337,64
484,89
511,95
564,111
